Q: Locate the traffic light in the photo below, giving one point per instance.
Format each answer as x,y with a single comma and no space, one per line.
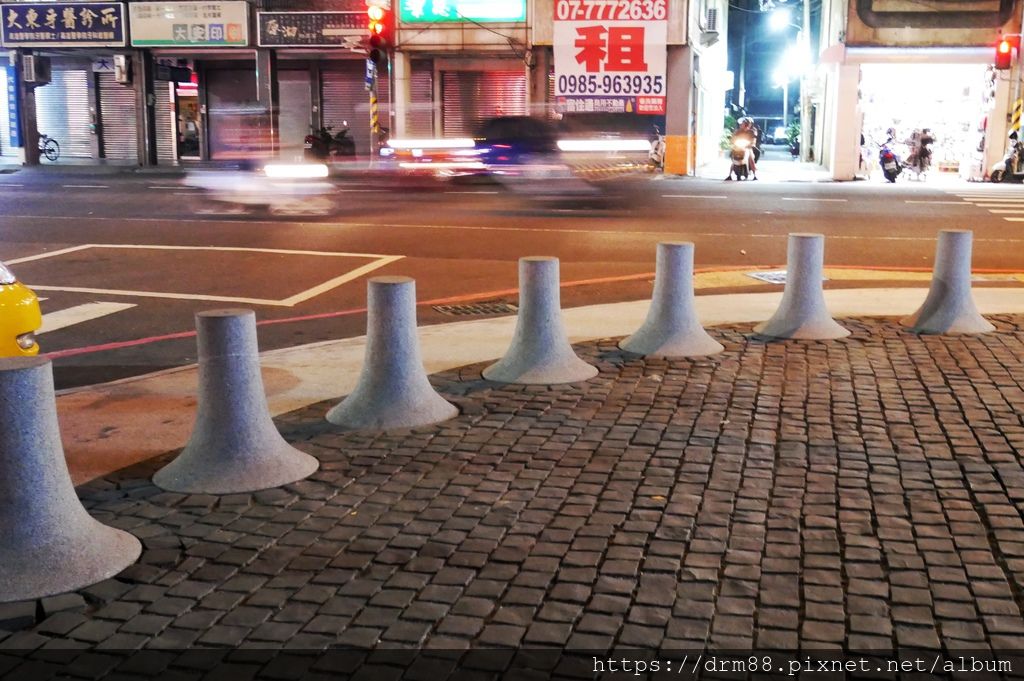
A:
382,32
1004,52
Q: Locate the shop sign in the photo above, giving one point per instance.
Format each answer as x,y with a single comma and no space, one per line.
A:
480,11
184,24
610,56
310,29
13,107
70,24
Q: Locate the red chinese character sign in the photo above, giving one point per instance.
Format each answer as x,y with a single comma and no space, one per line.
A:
610,55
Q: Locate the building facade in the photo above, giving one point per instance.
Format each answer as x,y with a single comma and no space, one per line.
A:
173,82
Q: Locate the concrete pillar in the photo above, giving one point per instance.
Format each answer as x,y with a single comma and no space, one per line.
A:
672,328
845,148
145,106
998,125
539,74
49,544
29,129
802,314
679,133
267,95
949,307
540,352
393,389
235,446
401,94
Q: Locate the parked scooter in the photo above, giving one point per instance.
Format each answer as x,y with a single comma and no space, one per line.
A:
891,167
656,156
1011,168
324,146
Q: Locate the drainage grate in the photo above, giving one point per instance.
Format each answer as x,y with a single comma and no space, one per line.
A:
485,308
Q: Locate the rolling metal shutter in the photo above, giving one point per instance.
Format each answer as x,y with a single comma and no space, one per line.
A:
421,90
471,97
344,98
5,120
62,112
117,116
166,123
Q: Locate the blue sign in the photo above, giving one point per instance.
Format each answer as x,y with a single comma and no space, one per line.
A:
13,106
71,24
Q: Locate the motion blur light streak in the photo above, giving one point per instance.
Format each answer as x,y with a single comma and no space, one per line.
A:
296,170
454,143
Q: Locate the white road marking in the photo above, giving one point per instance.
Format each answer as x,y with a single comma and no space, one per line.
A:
155,186
944,203
10,184
1008,211
483,192
86,186
787,198
80,313
378,261
999,204
48,254
691,196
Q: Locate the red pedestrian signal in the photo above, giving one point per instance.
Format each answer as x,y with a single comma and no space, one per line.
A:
1004,54
382,32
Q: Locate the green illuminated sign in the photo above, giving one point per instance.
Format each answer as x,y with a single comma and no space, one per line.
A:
431,11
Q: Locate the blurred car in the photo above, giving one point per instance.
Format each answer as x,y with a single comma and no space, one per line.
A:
527,155
779,135
279,188
20,317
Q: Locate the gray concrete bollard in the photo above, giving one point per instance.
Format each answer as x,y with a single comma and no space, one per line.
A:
393,390
540,353
235,446
49,544
672,328
949,307
802,314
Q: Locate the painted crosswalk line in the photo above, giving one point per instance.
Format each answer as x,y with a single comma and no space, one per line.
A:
79,314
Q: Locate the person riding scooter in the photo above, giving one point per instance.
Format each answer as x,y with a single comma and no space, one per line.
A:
920,158
1012,165
744,151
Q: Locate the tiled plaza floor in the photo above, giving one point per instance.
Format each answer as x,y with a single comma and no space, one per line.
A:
864,493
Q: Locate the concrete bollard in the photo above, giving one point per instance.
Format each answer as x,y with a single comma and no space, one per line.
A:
235,446
672,328
49,544
802,314
540,353
393,390
949,307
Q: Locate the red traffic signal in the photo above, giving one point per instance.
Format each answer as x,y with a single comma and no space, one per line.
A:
381,26
1004,53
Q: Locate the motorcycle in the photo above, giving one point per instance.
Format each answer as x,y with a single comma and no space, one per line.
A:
322,145
1012,165
890,163
740,155
656,156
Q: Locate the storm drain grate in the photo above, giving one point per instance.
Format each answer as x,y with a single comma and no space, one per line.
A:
487,307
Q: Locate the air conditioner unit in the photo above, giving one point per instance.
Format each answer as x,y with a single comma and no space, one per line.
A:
711,24
35,69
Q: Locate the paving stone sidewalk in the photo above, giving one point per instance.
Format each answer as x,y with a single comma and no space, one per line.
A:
864,493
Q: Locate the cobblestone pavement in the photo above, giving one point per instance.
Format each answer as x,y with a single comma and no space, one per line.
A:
864,493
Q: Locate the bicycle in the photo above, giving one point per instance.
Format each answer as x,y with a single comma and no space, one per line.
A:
49,147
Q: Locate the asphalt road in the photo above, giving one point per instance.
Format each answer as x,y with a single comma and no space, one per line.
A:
129,258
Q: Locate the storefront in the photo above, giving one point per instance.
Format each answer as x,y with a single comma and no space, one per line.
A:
952,100
85,101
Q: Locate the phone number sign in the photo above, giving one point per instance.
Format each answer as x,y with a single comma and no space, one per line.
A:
610,55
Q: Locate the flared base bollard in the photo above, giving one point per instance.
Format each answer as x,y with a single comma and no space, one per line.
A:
393,389
672,328
949,307
235,446
802,314
540,353
49,544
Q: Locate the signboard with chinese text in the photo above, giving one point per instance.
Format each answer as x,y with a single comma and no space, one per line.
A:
480,11
610,56
310,29
70,24
13,107
184,24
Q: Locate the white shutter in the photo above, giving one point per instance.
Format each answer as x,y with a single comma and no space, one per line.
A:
62,112
117,118
343,97
471,97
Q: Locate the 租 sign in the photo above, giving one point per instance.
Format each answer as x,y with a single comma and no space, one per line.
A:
610,55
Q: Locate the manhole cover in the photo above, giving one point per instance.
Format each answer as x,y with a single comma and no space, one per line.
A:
491,307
